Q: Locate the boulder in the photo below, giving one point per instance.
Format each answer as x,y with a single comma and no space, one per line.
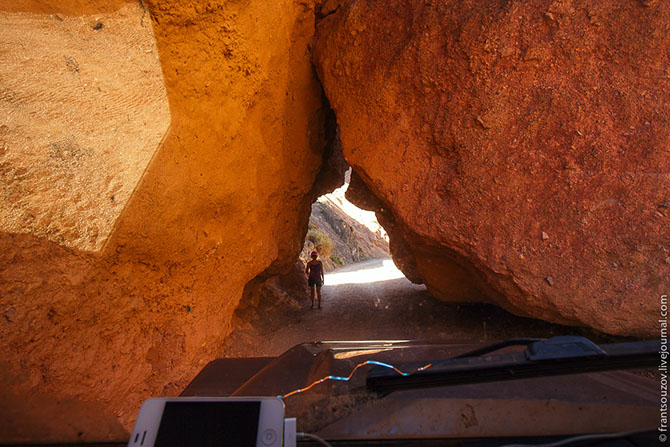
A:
520,149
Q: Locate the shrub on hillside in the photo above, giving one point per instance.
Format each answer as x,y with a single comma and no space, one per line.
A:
321,241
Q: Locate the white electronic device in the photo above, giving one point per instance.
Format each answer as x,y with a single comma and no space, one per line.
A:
209,421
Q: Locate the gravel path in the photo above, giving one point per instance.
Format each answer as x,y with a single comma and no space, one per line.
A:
373,301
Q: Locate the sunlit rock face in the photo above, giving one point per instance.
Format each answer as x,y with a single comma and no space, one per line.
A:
521,150
83,108
107,302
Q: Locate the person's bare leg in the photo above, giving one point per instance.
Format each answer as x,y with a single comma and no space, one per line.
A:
311,294
318,295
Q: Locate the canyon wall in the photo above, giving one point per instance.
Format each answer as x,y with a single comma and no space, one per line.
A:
156,157
517,152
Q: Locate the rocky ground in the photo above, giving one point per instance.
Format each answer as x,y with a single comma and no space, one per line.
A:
398,308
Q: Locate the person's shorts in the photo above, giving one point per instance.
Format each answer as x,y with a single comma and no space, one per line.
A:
314,282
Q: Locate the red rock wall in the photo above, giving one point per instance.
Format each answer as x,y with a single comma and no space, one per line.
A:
87,336
521,148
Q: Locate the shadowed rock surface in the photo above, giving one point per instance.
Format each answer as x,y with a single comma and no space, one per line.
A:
520,149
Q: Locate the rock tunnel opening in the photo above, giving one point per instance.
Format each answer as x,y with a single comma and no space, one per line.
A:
343,233
350,242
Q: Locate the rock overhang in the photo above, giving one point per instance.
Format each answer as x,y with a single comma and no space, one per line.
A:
528,148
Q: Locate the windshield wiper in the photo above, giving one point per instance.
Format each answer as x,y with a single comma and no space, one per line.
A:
541,358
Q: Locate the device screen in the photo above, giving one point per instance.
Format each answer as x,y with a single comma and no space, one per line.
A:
207,424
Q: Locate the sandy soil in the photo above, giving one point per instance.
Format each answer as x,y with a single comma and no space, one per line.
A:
389,307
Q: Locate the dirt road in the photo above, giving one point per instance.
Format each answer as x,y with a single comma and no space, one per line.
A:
373,301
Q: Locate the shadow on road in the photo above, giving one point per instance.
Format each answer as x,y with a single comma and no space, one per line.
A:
369,301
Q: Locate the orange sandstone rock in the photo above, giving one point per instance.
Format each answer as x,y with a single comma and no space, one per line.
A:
88,331
520,149
71,156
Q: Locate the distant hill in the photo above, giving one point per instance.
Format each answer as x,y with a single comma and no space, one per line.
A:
342,233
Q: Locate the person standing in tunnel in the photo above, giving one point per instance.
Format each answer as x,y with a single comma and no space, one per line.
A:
314,271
